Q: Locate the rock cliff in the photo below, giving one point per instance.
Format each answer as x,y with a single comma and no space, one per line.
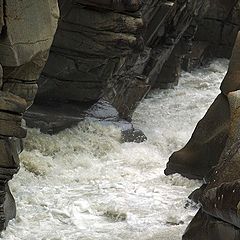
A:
212,153
115,52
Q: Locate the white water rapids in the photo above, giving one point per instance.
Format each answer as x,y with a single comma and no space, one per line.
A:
83,184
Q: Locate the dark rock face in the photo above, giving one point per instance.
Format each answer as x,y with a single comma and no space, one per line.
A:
118,50
220,26
206,227
89,47
115,51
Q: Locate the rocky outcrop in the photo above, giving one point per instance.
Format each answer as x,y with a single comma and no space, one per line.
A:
220,26
218,217
118,50
89,47
208,140
27,30
213,153
114,51
206,145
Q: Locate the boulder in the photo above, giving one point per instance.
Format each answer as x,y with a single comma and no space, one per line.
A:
219,197
209,138
205,147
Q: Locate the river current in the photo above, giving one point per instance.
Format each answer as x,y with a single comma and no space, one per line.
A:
84,184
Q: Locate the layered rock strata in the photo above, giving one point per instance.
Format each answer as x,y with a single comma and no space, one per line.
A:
212,153
27,30
115,51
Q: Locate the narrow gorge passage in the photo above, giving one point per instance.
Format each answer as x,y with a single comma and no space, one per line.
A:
83,184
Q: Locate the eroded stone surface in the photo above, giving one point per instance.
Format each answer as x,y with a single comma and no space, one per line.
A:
220,195
27,28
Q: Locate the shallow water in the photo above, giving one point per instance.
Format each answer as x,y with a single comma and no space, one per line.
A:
84,184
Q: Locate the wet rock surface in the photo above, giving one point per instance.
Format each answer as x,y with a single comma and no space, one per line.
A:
204,226
204,149
117,51
219,165
105,58
55,119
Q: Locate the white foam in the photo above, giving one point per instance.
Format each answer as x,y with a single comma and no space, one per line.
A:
84,184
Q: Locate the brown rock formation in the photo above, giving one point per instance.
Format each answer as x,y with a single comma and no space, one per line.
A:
115,51
27,29
213,152
220,196
205,147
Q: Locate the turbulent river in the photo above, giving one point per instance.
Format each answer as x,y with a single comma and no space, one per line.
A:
84,184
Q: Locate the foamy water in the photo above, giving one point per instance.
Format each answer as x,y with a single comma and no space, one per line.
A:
84,184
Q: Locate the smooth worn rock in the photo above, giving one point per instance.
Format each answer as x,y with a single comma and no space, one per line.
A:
208,141
204,149
231,81
227,169
206,227
220,195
